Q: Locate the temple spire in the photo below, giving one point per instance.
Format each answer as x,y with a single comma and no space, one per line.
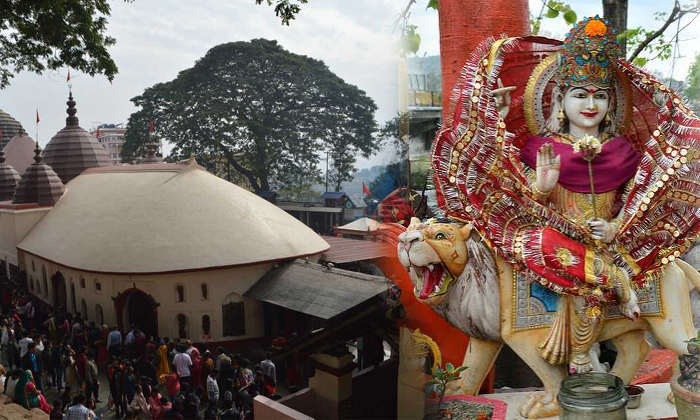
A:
72,120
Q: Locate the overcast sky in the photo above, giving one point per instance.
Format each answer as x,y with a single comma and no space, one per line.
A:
158,38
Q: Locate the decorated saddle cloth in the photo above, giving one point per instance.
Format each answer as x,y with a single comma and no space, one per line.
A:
536,306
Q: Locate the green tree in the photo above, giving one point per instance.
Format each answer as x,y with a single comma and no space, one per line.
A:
693,84
46,35
269,112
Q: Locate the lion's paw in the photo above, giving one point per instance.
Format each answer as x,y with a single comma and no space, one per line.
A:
453,388
539,405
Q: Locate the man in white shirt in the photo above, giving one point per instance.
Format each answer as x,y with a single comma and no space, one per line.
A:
182,363
213,386
23,345
268,367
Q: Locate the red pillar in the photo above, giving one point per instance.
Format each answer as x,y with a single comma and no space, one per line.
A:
464,24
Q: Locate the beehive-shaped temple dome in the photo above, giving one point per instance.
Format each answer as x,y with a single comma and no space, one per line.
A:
10,127
19,152
39,184
72,150
9,178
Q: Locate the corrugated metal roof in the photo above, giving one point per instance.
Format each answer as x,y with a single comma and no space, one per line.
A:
314,289
345,250
332,194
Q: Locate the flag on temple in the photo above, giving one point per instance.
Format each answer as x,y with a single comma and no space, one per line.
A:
37,116
98,133
150,125
365,189
68,78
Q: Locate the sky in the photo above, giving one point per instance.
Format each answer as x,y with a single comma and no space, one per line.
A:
156,39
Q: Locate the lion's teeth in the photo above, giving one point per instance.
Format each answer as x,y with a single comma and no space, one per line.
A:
431,267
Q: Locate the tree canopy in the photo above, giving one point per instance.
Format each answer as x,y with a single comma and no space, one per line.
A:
45,35
271,113
693,84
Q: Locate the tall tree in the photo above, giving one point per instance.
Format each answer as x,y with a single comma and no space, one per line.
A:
616,12
692,89
269,112
46,35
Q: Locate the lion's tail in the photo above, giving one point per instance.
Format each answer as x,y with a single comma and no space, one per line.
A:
690,273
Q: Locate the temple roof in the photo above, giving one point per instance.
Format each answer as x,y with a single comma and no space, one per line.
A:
158,218
72,150
10,127
19,152
39,184
9,178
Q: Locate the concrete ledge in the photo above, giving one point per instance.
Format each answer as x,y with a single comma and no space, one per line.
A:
654,403
267,409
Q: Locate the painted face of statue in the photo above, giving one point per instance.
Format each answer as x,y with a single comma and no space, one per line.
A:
585,108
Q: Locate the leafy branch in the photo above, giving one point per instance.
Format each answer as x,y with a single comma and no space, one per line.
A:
553,9
642,38
285,9
442,377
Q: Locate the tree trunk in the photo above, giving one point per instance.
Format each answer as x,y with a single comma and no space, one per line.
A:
616,12
464,24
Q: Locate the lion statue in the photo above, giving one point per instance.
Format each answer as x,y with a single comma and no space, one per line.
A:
456,274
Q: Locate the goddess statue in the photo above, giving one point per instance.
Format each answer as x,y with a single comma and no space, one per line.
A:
585,179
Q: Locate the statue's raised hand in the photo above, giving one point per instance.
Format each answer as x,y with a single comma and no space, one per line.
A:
602,230
501,96
548,167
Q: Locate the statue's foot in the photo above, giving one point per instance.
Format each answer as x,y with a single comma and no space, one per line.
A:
580,363
539,405
671,398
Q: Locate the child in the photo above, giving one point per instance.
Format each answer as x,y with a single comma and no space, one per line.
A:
172,383
57,411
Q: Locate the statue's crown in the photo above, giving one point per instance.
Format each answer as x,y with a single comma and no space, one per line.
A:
589,54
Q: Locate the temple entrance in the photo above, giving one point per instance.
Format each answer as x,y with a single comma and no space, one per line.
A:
133,306
60,299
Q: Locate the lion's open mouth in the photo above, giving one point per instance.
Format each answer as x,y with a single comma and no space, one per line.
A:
435,280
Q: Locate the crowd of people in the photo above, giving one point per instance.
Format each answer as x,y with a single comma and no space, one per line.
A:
148,377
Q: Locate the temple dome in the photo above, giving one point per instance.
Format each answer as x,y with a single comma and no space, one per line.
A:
9,178
72,150
19,152
10,127
39,184
166,217
151,156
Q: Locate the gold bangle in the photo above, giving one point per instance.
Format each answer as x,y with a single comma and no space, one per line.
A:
539,193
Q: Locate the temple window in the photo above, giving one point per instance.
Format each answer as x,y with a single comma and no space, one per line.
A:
182,328
46,287
205,291
206,326
233,315
83,309
33,266
98,285
99,315
82,283
180,293
31,283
